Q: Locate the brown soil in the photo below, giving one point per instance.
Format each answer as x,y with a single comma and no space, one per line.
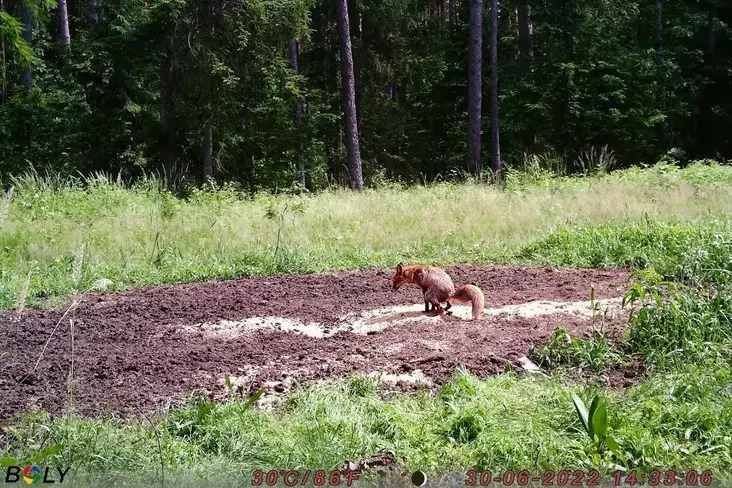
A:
141,350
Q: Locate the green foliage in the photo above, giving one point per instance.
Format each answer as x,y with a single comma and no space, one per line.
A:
673,248
678,420
675,324
595,422
595,354
584,99
11,33
35,458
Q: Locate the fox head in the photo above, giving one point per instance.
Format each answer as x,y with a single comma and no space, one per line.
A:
399,277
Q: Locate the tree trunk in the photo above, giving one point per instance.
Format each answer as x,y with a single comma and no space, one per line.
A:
167,116
63,13
526,38
495,141
356,30
663,127
25,76
349,96
475,87
294,52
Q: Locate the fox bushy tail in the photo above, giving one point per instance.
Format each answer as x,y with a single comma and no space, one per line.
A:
470,294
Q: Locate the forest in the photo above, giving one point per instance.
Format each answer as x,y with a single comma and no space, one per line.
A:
293,94
204,205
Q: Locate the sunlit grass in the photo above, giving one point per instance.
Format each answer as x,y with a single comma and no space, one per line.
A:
506,422
142,236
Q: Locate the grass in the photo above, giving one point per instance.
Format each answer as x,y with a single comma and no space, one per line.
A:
672,223
82,232
682,420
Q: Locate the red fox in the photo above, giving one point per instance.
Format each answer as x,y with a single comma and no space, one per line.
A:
437,287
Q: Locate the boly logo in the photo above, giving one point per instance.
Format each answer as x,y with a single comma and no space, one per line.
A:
34,475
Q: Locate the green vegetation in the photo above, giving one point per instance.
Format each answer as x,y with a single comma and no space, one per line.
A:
65,235
679,420
131,86
672,223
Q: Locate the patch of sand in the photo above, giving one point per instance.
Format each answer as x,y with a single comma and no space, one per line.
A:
545,307
373,321
254,324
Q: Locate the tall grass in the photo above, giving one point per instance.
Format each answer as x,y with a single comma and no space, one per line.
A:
141,235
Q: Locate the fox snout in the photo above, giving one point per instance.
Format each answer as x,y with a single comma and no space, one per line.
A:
398,278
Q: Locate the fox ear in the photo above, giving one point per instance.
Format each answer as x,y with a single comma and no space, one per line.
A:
400,268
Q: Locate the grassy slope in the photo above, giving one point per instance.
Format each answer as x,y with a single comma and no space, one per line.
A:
680,417
66,239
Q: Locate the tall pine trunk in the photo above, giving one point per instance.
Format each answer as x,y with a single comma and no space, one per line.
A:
349,98
663,126
63,13
25,15
475,87
495,141
294,52
356,30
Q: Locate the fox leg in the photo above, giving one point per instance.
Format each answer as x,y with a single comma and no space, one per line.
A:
426,302
438,308
434,298
447,307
